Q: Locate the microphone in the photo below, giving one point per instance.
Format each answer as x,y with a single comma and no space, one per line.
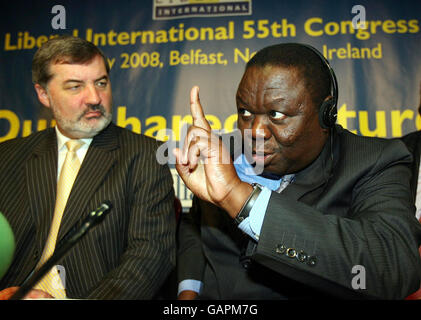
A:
76,233
7,245
81,227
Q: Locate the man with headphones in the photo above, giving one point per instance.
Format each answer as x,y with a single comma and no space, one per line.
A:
330,215
413,142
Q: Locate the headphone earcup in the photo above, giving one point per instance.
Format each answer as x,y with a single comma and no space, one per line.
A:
327,114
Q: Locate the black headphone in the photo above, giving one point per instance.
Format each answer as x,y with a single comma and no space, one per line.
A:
328,111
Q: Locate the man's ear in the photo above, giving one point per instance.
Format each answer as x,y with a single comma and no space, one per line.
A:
42,95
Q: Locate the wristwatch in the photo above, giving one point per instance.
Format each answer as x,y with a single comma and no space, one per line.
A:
245,210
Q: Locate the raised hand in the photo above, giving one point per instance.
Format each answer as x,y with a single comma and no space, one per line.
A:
205,165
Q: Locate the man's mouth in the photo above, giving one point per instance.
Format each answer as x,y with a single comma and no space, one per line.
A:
93,114
261,156
95,111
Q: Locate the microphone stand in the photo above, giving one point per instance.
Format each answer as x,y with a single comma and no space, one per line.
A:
94,218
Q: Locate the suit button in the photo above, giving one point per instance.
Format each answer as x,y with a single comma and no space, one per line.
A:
35,255
280,248
311,261
301,256
291,252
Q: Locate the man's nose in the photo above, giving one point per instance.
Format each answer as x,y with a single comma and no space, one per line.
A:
260,128
92,95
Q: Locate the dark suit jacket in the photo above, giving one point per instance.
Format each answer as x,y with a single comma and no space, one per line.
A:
413,143
127,256
345,227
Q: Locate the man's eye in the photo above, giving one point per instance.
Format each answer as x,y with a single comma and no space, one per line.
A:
102,84
73,88
277,115
244,112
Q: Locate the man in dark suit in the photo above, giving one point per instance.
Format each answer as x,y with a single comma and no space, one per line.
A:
413,142
131,253
330,216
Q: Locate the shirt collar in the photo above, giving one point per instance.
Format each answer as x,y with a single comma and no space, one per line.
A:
62,139
246,173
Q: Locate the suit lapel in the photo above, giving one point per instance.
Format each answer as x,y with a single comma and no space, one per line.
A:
41,175
97,163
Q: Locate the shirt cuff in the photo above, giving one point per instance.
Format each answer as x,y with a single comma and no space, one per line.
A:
252,225
190,284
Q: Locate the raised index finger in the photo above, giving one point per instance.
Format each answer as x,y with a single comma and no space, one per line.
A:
196,110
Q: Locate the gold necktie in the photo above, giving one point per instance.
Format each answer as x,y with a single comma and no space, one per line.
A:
51,282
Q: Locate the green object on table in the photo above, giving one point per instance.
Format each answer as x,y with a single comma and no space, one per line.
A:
7,245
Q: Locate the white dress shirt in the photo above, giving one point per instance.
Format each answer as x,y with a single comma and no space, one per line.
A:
62,150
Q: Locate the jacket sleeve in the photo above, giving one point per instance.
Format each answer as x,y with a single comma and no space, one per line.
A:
150,251
190,258
370,252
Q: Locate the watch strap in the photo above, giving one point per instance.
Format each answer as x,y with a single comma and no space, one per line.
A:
245,210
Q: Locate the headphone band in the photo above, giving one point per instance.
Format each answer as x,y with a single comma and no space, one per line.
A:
333,80
328,110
